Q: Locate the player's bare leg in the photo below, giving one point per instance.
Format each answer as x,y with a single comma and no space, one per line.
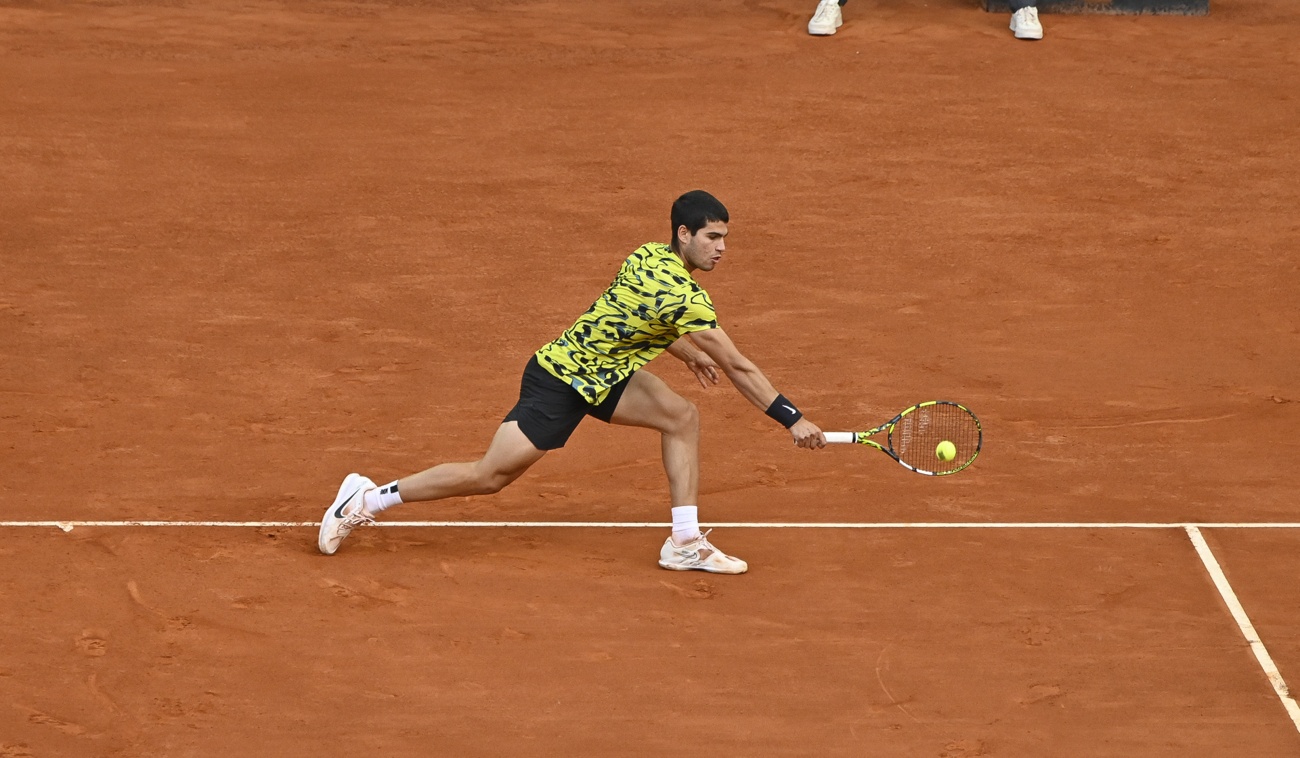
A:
508,456
648,402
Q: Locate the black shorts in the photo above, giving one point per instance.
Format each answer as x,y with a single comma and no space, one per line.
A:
549,410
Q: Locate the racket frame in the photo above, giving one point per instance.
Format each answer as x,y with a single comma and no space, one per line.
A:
863,438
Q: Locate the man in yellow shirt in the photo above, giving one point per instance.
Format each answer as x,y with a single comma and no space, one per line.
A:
593,369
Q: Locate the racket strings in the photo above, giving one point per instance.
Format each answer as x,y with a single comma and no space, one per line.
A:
916,436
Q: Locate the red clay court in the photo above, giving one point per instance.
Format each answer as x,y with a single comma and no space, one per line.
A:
248,247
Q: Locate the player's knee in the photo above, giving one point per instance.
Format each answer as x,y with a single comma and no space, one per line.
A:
492,482
686,417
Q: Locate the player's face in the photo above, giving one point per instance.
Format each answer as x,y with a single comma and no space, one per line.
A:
703,249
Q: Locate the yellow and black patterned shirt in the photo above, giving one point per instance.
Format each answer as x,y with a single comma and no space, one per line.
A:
651,303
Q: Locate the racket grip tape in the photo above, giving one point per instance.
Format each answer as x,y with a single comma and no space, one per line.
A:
834,438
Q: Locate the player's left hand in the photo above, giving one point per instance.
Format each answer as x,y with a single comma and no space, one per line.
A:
704,368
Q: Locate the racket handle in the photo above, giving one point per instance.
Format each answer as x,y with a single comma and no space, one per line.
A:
834,438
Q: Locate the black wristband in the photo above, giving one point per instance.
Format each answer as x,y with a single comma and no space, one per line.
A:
784,411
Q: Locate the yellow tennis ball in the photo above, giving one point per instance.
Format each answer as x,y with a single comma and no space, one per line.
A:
946,451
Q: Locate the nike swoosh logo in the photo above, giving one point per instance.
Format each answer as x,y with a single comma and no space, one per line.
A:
338,513
792,410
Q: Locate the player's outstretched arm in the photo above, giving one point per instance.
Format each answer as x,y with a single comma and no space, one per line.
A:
700,364
755,386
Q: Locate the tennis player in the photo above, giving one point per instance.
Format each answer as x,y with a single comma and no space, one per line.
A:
595,369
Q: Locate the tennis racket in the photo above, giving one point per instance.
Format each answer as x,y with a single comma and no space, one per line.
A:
912,437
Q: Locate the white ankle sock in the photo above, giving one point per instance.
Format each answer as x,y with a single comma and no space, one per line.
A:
686,524
383,498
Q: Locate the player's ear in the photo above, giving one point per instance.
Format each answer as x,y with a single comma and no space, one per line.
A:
683,234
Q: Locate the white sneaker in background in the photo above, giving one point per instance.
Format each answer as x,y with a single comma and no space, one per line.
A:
827,19
1024,23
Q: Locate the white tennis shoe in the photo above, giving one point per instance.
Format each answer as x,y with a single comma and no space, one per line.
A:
1025,24
345,514
826,19
700,555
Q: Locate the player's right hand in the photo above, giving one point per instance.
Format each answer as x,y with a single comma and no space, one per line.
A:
807,435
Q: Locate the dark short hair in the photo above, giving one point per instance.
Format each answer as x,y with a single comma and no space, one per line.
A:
695,210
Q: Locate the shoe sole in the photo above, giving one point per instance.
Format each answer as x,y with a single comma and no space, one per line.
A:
823,31
675,567
351,485
1026,33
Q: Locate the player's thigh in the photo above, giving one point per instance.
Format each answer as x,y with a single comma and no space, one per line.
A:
649,402
510,453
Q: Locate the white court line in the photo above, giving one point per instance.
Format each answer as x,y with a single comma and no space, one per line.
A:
1243,622
67,525
1193,531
